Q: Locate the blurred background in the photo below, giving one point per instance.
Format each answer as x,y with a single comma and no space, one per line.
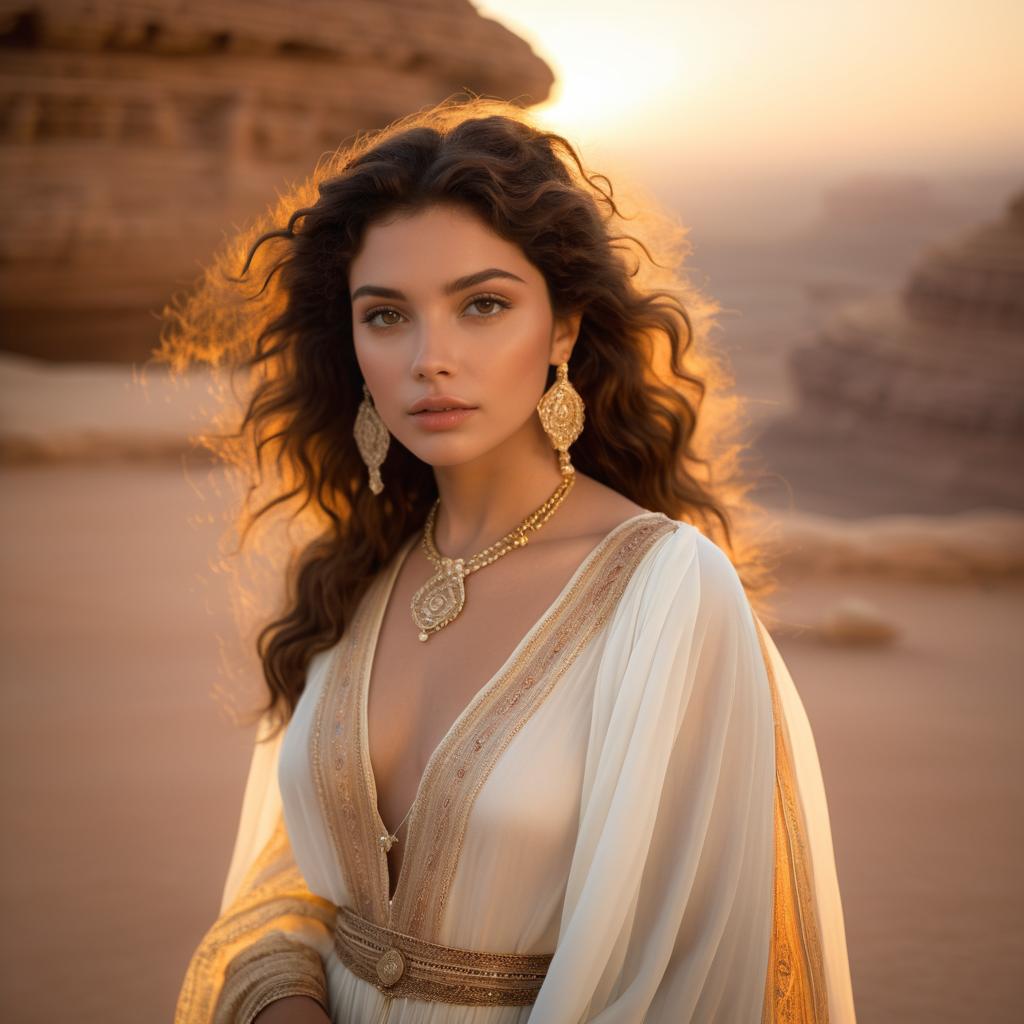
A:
852,177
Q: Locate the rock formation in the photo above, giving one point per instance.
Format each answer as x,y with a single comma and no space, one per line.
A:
918,394
135,134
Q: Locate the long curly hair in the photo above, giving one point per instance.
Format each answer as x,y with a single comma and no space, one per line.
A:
272,309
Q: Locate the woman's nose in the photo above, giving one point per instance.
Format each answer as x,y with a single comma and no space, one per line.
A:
433,352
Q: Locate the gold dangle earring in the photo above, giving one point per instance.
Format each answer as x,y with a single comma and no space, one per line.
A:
561,415
372,439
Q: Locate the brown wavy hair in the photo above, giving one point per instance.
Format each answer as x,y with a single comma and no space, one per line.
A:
273,310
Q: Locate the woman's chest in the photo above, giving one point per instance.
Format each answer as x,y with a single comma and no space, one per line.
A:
417,690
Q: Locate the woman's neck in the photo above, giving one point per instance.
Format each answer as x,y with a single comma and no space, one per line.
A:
482,500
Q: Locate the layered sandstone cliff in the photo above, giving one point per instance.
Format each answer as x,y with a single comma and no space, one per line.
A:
922,388
133,135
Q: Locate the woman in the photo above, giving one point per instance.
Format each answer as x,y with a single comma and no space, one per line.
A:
528,753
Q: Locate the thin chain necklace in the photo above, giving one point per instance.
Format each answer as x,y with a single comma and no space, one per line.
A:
386,841
440,600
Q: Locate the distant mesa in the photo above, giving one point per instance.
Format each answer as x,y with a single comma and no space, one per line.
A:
975,283
134,136
914,401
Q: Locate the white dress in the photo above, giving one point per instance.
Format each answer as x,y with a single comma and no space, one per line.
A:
635,791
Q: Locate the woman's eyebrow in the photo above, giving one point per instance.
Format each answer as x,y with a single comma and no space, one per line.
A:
458,285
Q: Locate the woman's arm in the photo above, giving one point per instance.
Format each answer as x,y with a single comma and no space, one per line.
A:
293,1010
268,943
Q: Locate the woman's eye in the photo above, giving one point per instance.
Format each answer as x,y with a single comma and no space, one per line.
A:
372,315
489,305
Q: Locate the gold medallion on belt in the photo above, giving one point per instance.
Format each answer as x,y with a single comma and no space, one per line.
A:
390,967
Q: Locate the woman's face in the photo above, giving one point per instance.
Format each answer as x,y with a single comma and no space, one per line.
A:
442,306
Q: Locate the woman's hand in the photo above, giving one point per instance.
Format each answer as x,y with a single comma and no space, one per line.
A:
292,1010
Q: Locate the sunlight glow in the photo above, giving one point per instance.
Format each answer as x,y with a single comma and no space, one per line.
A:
748,84
590,98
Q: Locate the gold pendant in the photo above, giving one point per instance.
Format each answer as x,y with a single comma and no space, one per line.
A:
440,599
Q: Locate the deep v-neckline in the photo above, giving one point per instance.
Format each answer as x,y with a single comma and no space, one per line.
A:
365,676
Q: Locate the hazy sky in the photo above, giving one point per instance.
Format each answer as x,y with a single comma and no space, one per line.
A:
863,85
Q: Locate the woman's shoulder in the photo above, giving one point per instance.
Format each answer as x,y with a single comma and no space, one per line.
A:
685,563
684,603
677,543
676,555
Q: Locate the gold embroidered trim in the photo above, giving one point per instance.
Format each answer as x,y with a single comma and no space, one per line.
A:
467,754
403,965
795,988
336,751
270,969
273,902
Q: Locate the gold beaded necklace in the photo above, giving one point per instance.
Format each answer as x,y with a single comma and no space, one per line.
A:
439,601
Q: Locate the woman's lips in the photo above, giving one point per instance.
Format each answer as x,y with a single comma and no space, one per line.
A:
442,420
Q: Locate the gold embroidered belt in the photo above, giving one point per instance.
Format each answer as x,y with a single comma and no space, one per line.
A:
402,965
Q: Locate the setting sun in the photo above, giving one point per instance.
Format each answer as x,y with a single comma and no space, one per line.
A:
592,99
